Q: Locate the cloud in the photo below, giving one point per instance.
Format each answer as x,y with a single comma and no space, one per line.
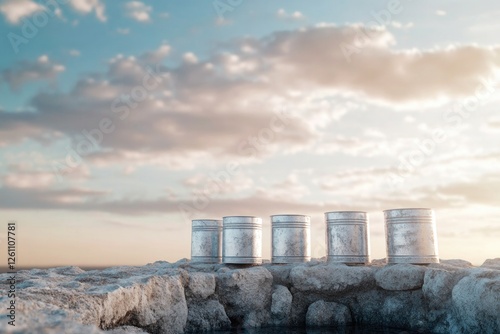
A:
220,21
29,180
88,6
27,71
158,55
123,31
440,12
138,11
296,16
223,108
399,25
74,53
15,10
494,123
318,56
483,190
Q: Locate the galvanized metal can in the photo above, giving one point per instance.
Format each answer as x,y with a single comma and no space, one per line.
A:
290,238
411,236
206,241
242,240
347,237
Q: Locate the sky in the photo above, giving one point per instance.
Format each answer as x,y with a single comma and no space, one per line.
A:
120,121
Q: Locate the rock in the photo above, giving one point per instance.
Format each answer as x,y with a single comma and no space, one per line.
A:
399,277
201,285
379,262
449,297
140,305
281,305
330,278
476,302
450,265
246,295
438,285
402,309
456,263
206,316
126,330
492,263
323,313
405,309
281,273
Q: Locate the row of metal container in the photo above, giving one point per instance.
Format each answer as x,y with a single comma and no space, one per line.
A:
410,238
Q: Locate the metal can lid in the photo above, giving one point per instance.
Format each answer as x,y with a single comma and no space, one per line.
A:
215,223
346,215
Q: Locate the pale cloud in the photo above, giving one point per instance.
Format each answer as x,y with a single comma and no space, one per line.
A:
138,11
207,110
88,6
123,31
27,71
15,10
74,53
157,55
190,58
282,14
29,180
399,25
220,21
440,12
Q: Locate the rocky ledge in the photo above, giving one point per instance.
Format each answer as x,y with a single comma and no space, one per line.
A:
184,297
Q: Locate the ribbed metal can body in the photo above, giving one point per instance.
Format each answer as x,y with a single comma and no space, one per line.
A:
206,241
411,236
291,238
347,237
242,240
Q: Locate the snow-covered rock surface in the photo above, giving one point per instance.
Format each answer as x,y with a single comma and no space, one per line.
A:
450,297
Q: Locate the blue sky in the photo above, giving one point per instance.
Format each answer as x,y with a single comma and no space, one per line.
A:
361,130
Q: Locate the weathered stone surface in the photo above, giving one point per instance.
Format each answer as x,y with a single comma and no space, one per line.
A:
400,277
281,306
438,285
476,301
450,265
323,313
201,285
126,330
492,263
330,278
206,316
246,294
281,273
450,297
